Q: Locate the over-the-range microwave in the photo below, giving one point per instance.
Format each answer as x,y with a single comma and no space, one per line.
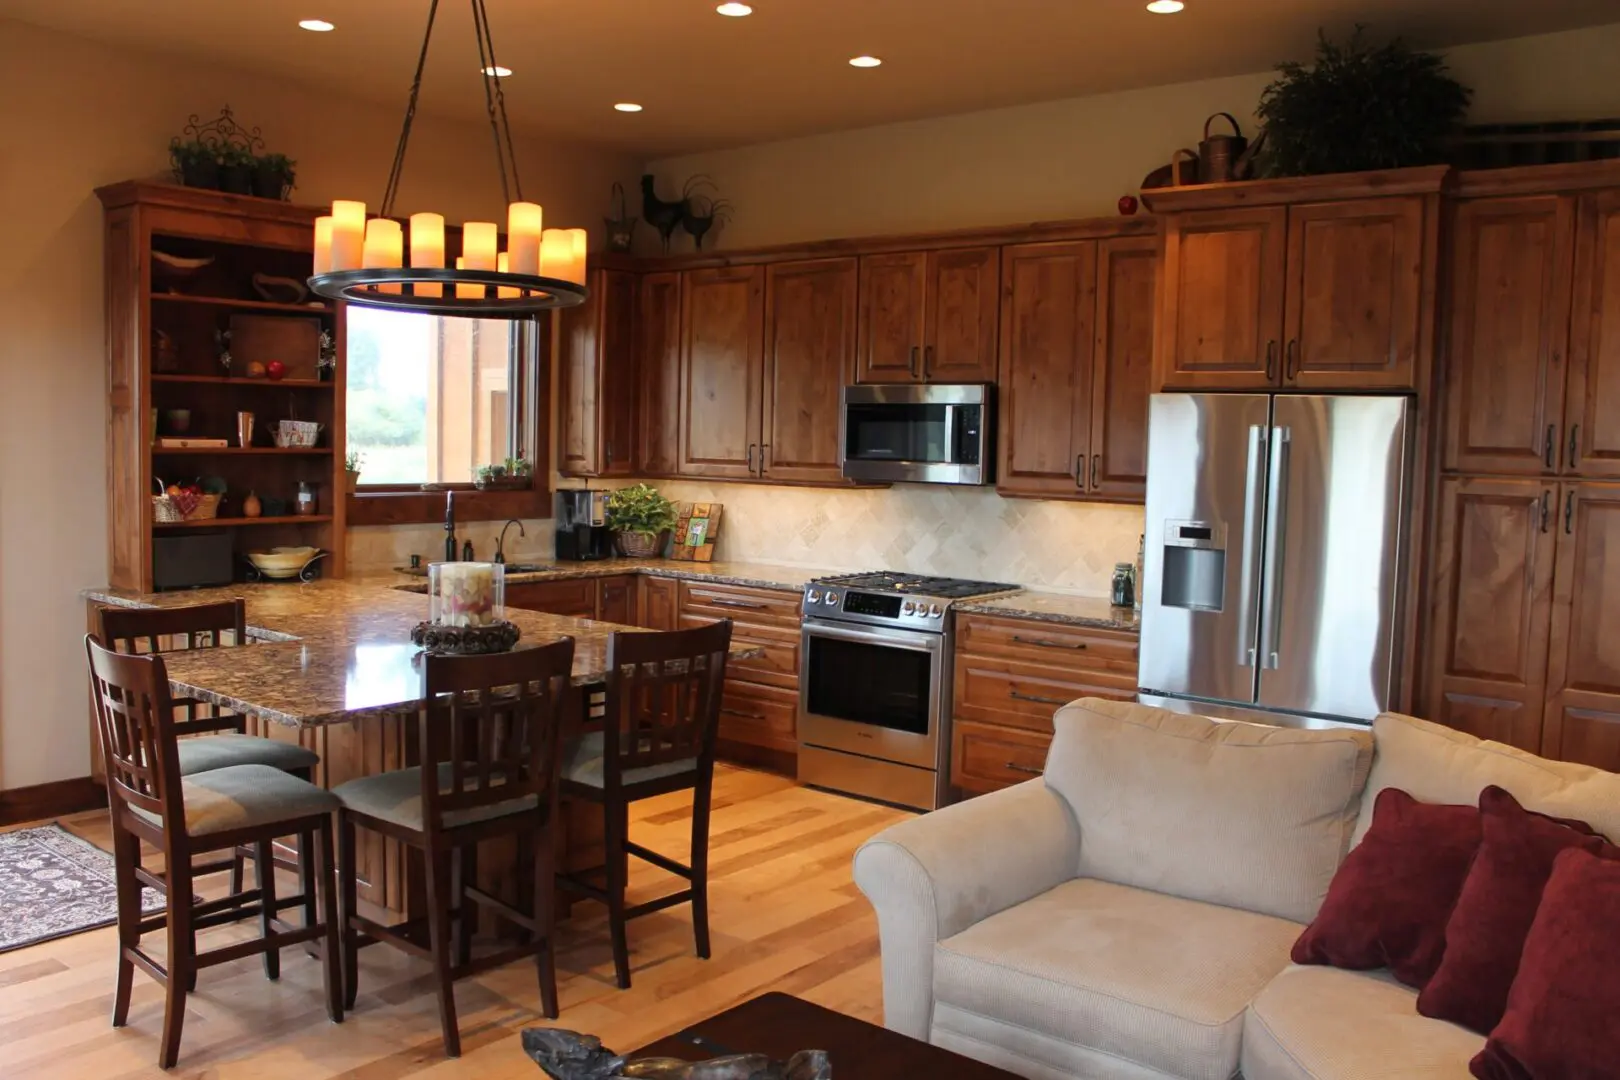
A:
928,434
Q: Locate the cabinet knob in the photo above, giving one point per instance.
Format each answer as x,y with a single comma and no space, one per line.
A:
1271,360
1096,461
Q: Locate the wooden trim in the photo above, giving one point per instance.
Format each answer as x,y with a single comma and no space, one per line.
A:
151,193
1424,180
1537,179
423,507
55,799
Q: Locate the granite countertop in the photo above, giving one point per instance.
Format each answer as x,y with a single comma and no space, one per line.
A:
750,575
1088,611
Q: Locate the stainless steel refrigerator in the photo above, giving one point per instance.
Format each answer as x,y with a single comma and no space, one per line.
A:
1275,540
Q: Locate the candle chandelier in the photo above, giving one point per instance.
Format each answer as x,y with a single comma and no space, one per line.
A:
364,261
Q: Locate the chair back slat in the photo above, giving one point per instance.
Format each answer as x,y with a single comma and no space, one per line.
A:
135,723
491,730
663,698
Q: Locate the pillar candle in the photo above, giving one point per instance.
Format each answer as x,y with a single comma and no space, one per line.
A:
348,234
478,244
505,292
577,259
427,250
556,252
467,292
384,249
323,245
523,237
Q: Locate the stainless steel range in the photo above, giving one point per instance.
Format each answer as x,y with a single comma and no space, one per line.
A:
875,684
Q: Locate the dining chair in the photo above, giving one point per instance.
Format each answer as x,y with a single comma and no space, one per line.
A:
488,750
150,800
661,712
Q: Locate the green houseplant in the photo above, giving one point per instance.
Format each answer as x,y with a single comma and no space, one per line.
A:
274,176
236,168
196,163
641,519
1360,107
351,469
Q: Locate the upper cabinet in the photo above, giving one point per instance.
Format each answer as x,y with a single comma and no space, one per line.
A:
722,330
658,377
1592,410
929,316
1222,313
810,316
596,380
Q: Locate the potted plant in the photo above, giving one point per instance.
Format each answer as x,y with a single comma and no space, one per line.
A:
641,519
512,474
236,166
1360,107
351,469
274,176
196,164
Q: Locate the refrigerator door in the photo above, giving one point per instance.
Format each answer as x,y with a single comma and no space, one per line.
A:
1204,529
1335,512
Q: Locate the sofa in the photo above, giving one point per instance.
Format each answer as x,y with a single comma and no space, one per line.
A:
1130,914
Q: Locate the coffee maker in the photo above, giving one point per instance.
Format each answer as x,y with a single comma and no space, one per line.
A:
582,532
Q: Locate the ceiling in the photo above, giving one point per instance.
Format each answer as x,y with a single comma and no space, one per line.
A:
707,81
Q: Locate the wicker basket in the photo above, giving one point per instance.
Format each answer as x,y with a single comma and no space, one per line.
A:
636,545
171,510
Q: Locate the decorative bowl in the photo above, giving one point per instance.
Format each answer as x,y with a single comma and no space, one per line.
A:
283,563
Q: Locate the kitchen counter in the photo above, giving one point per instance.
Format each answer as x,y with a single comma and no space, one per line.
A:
1088,611
750,575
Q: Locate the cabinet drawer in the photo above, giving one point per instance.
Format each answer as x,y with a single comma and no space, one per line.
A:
985,759
576,598
779,666
759,716
744,605
996,691
1047,643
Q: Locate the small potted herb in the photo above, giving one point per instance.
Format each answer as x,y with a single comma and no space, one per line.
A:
512,474
641,519
351,470
196,164
236,167
274,176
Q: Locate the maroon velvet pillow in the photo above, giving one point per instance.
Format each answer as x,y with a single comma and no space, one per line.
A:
1561,1022
1388,904
1493,914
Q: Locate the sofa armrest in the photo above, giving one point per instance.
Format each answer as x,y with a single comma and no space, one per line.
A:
936,875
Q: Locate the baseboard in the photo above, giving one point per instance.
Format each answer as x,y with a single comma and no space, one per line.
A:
56,799
782,762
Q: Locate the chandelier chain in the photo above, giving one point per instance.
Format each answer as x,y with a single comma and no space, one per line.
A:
495,103
398,168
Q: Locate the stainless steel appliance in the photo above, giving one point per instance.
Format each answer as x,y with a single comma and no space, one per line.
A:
582,532
937,434
1276,532
875,684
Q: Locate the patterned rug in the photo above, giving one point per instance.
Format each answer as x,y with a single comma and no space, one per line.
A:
53,884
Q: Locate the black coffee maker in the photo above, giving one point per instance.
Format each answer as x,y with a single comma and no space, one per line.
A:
582,532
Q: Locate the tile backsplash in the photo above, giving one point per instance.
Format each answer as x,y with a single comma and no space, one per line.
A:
379,547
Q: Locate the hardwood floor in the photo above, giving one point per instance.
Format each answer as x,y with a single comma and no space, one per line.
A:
784,912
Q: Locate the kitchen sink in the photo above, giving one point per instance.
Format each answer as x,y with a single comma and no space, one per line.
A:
530,568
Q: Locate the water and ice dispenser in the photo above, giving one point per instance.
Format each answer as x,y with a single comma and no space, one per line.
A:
1193,566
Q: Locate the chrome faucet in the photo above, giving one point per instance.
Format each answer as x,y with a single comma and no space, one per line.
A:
500,544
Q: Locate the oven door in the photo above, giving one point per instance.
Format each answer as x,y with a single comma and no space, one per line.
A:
870,691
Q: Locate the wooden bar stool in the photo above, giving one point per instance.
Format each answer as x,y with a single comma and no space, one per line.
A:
489,749
217,810
658,730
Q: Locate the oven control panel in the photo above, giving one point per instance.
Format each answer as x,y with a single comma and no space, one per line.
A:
875,607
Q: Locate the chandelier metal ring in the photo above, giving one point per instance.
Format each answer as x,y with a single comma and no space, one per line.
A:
535,293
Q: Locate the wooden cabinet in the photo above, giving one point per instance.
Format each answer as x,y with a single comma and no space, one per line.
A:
660,603
575,597
810,317
758,719
658,375
1591,438
1582,719
1076,353
616,600
929,316
596,380
722,327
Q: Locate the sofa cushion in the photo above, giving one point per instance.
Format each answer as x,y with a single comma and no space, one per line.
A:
1237,814
1148,978
1314,1023
1438,765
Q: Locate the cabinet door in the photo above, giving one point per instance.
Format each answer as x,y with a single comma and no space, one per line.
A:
1122,368
1491,580
660,603
616,375
893,306
1355,294
616,600
575,597
596,380
1222,304
1592,435
1045,386
963,309
658,379
1504,378
809,356
721,327
1583,678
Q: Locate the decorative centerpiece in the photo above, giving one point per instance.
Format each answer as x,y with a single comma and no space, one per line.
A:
466,610
640,518
568,1055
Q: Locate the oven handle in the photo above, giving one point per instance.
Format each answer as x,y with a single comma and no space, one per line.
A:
1016,696
873,635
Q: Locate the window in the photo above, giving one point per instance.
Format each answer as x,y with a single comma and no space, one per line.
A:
430,399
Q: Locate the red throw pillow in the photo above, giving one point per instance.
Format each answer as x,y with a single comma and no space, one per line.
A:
1388,904
1493,914
1560,1021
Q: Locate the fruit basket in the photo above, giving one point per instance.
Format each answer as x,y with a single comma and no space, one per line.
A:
189,502
296,434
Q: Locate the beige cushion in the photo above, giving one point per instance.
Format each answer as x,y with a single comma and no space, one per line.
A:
1152,979
397,797
1238,814
1437,764
244,796
1320,1023
207,752
582,763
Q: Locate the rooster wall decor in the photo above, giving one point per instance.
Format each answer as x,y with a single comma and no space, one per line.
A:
661,214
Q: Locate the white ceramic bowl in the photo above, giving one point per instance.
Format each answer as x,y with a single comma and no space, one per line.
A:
283,562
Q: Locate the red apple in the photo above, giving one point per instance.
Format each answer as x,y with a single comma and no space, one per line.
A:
276,369
1127,205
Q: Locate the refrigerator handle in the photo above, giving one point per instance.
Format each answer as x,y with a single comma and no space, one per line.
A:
1271,583
1253,506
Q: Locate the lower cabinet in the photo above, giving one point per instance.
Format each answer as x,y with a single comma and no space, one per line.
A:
616,600
660,603
759,714
609,599
1010,676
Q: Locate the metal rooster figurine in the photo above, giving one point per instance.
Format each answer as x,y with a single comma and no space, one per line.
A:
662,215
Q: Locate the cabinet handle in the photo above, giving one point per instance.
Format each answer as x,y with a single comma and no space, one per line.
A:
1016,696
1025,769
1569,514
1547,445
1096,460
1047,643
1574,444
912,367
1546,509
610,451
764,448
1292,367
1080,471
1271,360
928,360
743,715
750,459
720,601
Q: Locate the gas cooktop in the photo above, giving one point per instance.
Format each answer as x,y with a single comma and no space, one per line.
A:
882,598
941,588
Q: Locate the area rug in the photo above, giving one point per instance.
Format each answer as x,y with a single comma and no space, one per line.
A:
53,884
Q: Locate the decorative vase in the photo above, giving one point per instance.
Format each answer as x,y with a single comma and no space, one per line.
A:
636,545
251,507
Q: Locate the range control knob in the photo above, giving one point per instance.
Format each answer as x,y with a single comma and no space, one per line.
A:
907,608
831,599
935,611
814,596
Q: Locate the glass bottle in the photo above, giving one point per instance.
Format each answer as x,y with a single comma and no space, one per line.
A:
307,503
1123,594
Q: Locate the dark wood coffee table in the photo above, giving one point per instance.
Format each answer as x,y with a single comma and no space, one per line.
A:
780,1024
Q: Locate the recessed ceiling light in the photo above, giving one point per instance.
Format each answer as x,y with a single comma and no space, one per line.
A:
497,71
627,106
864,61
320,26
736,11
1165,7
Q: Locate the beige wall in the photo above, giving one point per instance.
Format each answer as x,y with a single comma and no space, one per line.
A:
73,115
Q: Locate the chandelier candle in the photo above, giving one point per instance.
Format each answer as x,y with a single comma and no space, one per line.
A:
323,244
505,292
427,250
523,237
576,264
467,292
556,253
384,247
348,234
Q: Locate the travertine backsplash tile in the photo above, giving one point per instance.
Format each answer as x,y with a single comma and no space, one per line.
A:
377,547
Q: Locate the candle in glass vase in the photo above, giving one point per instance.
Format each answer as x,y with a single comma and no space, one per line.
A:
427,250
348,234
384,249
523,234
465,594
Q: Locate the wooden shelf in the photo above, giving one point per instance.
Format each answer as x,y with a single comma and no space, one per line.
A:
227,380
286,519
233,451
244,305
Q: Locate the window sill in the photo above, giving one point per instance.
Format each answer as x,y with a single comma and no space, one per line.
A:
424,507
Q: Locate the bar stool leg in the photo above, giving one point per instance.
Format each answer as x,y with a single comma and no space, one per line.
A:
182,963
330,947
700,865
126,854
618,874
264,868
348,881
438,901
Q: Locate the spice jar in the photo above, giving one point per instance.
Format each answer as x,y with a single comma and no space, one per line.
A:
307,503
1123,593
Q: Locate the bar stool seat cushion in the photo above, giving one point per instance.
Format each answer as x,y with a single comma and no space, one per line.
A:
207,752
396,797
246,796
582,764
